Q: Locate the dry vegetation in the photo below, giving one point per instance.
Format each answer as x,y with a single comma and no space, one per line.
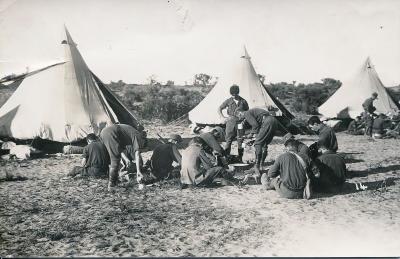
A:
43,213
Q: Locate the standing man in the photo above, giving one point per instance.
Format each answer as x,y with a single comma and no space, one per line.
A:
116,137
288,174
233,104
326,135
263,128
95,159
369,109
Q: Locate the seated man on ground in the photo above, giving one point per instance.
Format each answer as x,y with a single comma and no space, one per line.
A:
199,169
394,132
95,159
288,174
326,135
332,171
164,155
301,148
379,126
356,127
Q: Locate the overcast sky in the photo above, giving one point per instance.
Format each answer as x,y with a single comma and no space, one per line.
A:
302,40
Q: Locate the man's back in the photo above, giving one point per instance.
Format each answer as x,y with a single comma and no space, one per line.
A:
255,117
129,133
303,151
194,163
378,125
96,155
332,169
291,171
327,138
163,157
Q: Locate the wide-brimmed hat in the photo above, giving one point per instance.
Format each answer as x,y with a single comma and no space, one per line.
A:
287,137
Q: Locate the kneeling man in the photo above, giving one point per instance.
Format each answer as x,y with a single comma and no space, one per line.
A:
95,159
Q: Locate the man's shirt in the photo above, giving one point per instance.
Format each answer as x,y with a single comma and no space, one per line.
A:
194,163
327,138
232,106
291,171
255,118
96,155
332,169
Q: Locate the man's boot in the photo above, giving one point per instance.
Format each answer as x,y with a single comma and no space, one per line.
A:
240,154
112,178
257,166
227,148
263,157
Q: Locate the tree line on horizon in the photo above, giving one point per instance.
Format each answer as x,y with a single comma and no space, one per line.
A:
168,102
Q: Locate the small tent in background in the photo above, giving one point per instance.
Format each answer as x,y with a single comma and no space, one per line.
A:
347,101
251,89
62,102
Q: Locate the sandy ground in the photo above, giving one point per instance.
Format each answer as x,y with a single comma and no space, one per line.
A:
46,214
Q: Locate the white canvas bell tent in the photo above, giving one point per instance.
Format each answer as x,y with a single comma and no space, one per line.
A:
251,89
347,101
62,102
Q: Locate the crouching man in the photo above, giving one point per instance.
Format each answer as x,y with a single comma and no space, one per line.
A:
198,169
95,159
164,155
116,138
288,174
263,128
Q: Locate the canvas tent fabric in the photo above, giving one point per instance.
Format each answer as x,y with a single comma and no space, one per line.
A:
251,89
62,102
347,101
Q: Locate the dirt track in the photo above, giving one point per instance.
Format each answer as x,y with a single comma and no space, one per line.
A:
48,214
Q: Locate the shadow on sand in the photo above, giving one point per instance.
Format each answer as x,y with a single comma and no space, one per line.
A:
348,188
369,171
